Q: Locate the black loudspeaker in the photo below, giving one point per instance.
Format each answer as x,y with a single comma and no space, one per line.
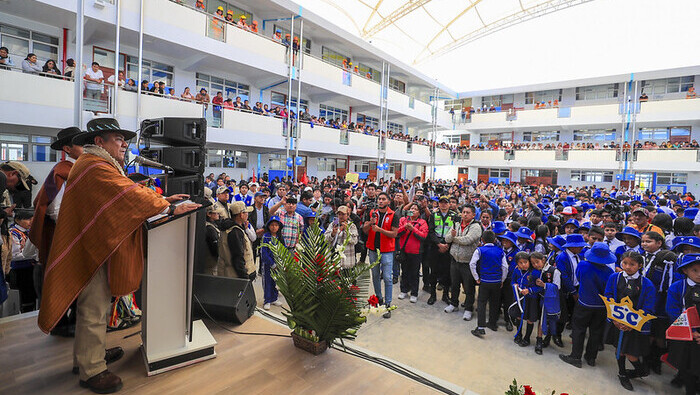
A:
224,298
184,160
178,132
189,184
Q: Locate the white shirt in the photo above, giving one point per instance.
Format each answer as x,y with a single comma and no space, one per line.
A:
556,277
55,205
28,252
111,80
95,75
477,256
574,259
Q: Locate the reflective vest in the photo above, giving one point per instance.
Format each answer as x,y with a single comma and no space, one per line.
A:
442,227
386,244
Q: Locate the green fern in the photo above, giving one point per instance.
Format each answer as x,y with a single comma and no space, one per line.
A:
321,296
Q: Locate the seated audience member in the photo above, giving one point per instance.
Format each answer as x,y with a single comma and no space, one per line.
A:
120,76
186,94
228,104
50,68
130,85
246,106
5,60
70,67
29,65
144,86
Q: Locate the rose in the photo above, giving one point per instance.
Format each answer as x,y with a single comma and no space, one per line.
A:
373,301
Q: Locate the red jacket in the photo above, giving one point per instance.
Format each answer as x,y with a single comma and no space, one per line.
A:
386,244
420,232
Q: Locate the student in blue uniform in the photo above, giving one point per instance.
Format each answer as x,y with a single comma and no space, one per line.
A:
525,290
632,239
566,263
550,283
571,226
541,245
489,268
682,294
589,313
273,234
631,283
524,235
555,246
658,265
242,195
508,241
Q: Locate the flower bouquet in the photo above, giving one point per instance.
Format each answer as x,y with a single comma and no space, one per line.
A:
322,298
373,307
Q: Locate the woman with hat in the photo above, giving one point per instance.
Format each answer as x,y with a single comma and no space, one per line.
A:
273,235
589,314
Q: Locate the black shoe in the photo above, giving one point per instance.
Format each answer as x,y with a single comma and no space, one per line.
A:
493,327
432,299
625,382
518,339
387,314
538,346
545,341
637,373
656,368
590,361
464,305
509,326
571,360
395,281
446,297
111,355
557,341
525,342
64,331
478,332
381,301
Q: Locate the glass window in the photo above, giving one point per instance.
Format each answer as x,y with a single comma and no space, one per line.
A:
597,92
653,133
543,96
504,138
541,136
326,164
368,121
457,104
277,162
394,127
497,100
230,89
14,147
591,176
671,178
333,57
329,113
594,135
306,42
374,74
152,71
397,85
212,5
667,85
20,42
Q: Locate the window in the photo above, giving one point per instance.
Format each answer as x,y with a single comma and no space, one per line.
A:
597,92
212,5
277,162
671,178
18,147
326,164
543,96
333,57
329,113
594,135
20,42
306,42
41,150
667,85
537,173
497,100
231,89
394,168
397,85
541,136
368,121
452,138
280,100
105,58
227,158
591,176
394,127
499,173
458,104
363,167
375,74
505,137
152,71
653,133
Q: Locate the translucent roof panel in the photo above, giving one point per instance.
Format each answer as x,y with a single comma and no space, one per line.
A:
472,45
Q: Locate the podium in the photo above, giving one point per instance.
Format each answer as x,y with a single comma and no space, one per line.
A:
169,337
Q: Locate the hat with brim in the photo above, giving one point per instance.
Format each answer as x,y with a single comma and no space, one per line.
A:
221,190
630,231
22,172
99,127
509,236
690,212
688,259
499,227
600,253
274,218
65,137
575,240
585,225
685,241
444,198
239,207
572,222
524,232
557,241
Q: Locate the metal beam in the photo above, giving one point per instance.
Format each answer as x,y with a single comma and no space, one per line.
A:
503,23
397,14
444,28
374,11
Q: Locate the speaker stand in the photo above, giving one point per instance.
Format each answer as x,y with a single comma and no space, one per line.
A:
199,349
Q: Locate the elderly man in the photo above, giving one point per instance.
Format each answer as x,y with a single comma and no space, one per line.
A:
221,204
97,250
47,205
235,249
640,221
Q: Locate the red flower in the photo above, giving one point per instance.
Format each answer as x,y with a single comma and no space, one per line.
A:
528,390
373,301
354,289
319,279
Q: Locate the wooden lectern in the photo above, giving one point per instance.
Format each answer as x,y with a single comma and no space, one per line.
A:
170,338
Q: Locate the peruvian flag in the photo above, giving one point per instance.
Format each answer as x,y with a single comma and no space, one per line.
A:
682,327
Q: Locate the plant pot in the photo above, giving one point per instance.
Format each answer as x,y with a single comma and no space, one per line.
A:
310,346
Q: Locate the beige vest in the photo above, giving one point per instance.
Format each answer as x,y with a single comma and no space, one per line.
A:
224,266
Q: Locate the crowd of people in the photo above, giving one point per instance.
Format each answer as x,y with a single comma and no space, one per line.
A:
565,146
538,257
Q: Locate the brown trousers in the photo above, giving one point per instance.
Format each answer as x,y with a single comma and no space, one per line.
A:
91,325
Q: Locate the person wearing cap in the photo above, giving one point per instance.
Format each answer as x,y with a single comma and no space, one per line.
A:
212,234
221,205
440,223
229,16
277,36
47,205
683,294
253,26
525,241
24,260
287,40
338,231
258,218
632,241
641,222
14,176
590,313
273,235
100,220
242,22
199,4
236,257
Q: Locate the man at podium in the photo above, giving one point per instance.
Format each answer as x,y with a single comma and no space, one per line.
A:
97,249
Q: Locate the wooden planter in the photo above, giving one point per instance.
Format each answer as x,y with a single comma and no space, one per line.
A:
307,345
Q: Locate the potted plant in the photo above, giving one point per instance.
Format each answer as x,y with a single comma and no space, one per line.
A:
322,298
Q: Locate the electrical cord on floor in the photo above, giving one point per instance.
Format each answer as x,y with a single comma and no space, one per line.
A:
376,360
231,330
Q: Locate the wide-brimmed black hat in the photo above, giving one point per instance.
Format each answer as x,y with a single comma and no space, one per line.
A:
100,126
65,137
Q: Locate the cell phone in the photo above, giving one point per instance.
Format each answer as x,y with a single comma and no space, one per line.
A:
336,221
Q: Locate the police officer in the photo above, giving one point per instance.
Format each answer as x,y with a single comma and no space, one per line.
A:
440,223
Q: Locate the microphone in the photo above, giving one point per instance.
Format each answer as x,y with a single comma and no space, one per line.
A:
151,163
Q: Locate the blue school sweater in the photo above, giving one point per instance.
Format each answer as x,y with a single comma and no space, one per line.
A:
646,300
593,279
